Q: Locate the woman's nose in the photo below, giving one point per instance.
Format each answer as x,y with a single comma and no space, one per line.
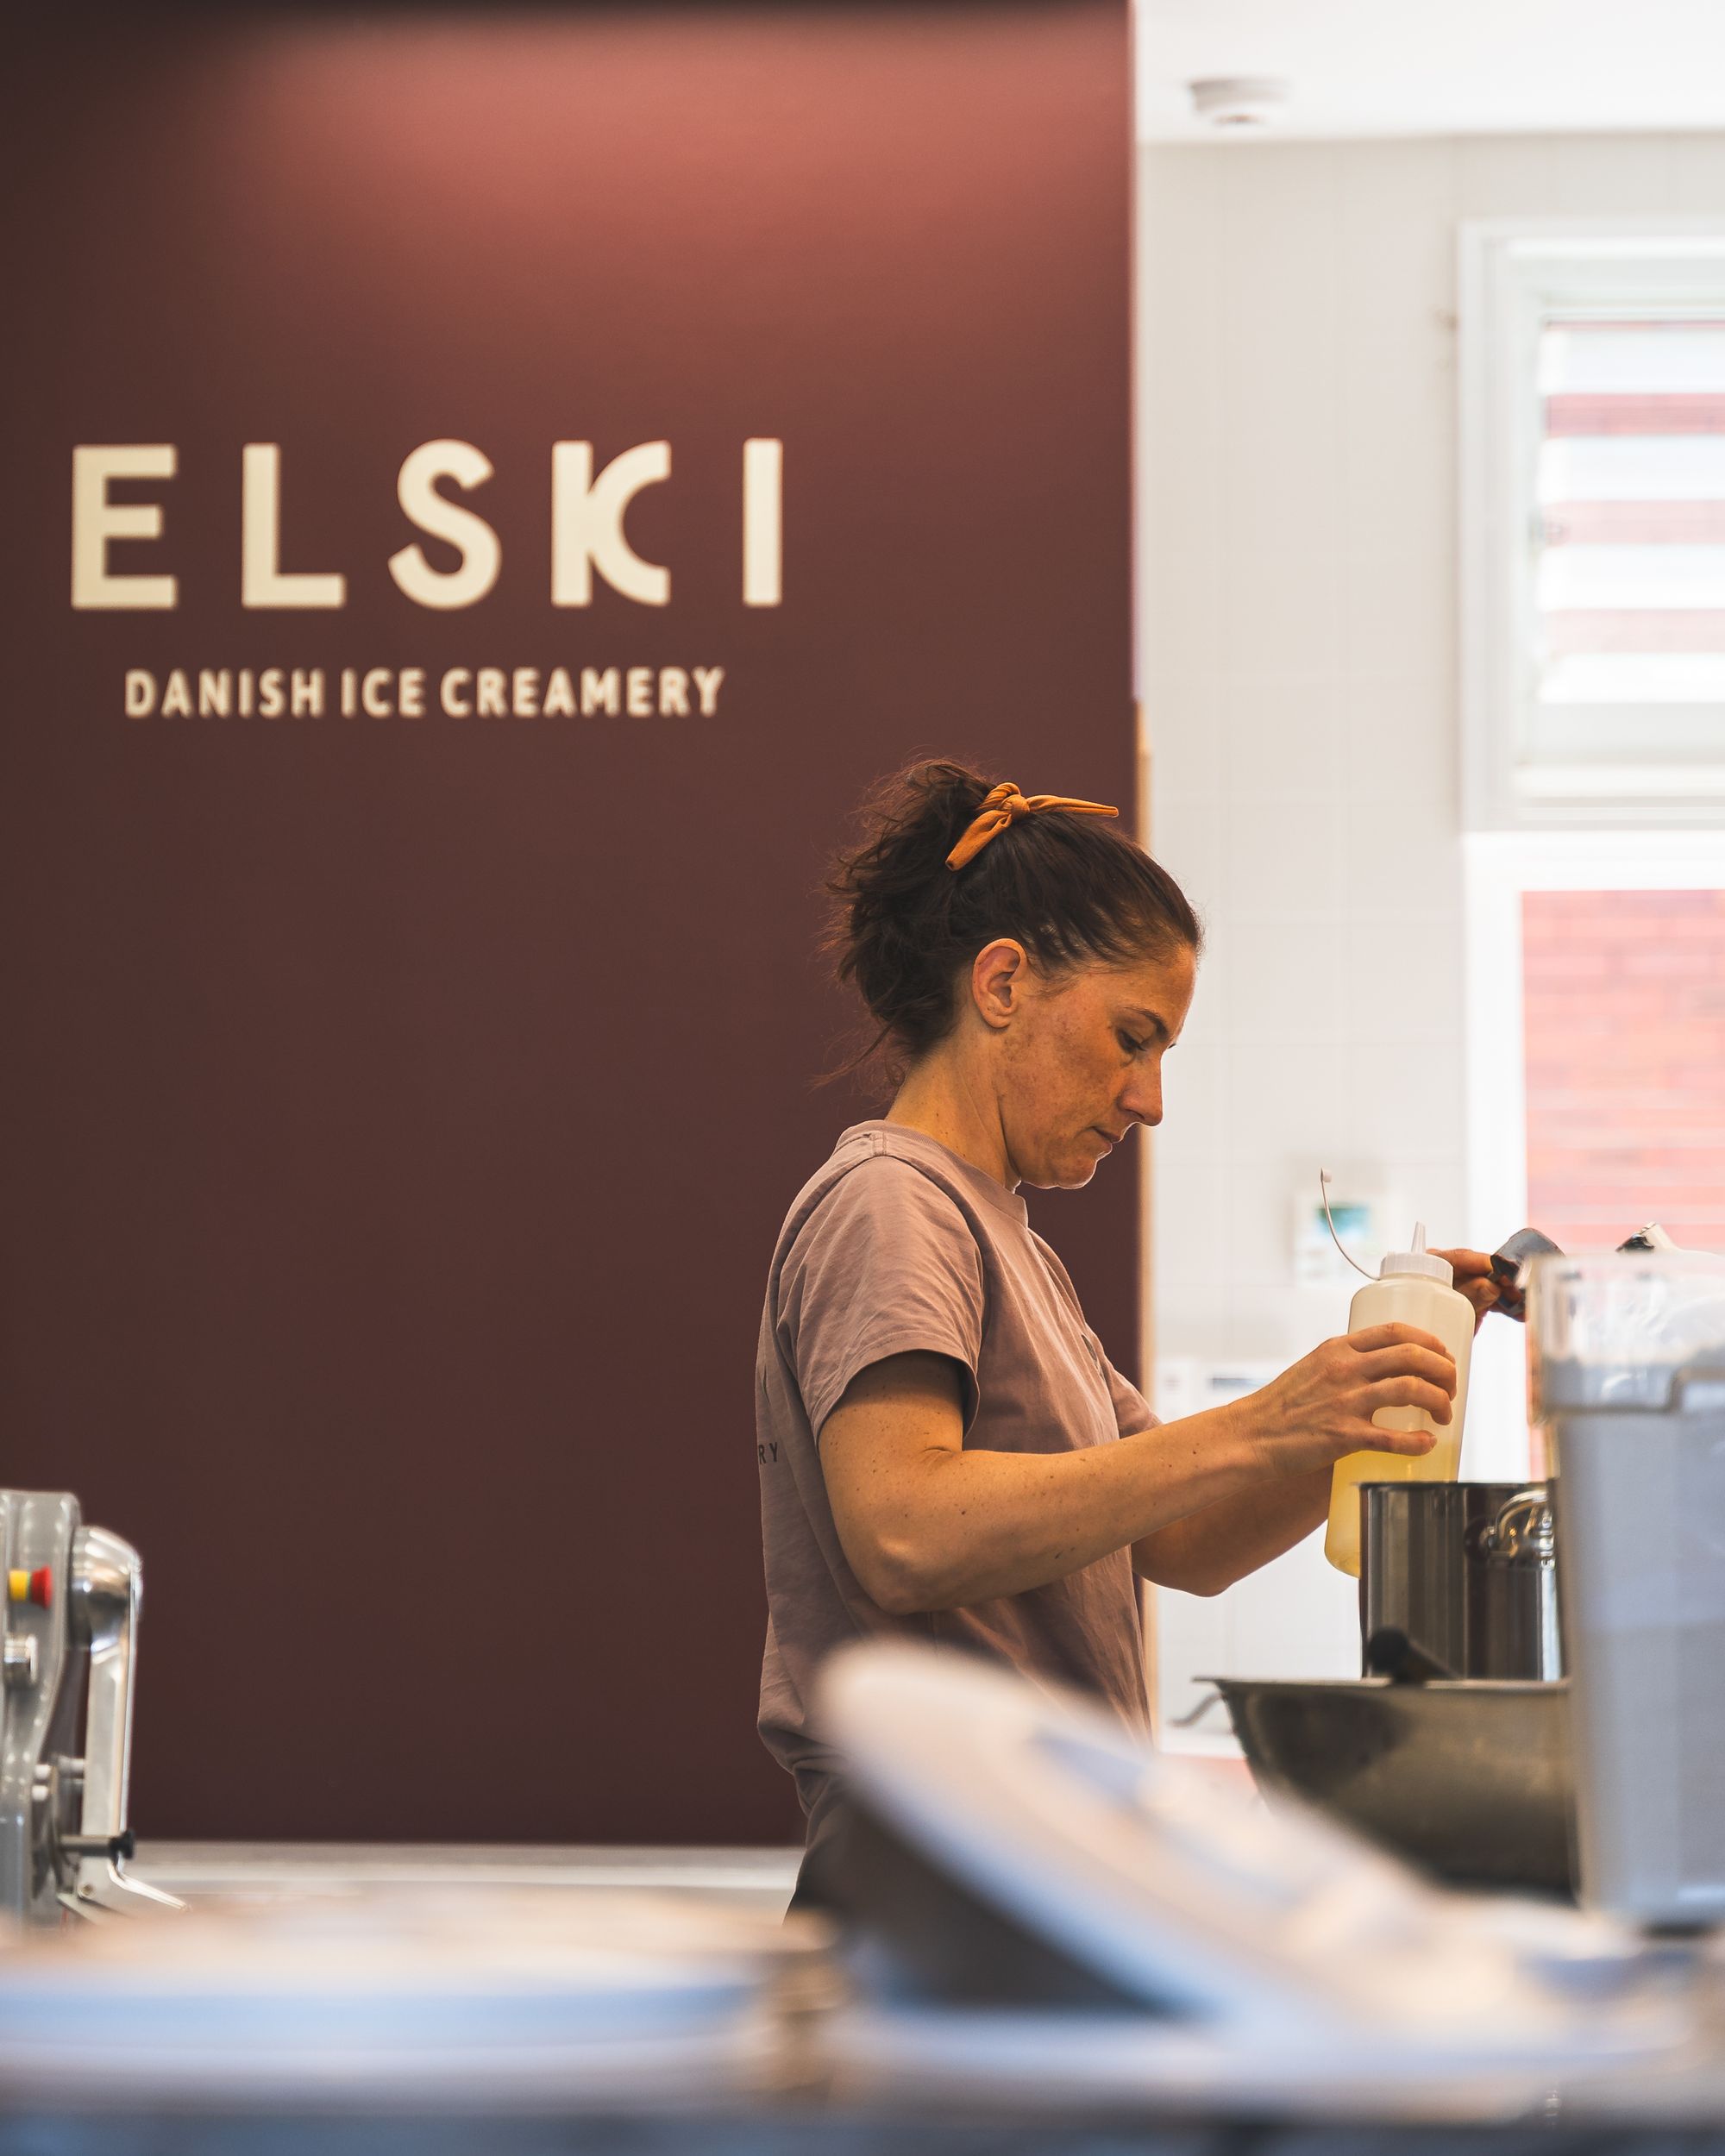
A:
1142,1100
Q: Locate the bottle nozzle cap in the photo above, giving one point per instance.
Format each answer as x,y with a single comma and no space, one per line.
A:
1417,1259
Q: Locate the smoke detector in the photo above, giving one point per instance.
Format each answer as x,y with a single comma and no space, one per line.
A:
1239,100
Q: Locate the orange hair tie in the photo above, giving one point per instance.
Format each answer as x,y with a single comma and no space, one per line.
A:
1003,807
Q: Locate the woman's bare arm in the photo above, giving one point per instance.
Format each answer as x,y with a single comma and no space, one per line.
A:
926,1525
1210,1550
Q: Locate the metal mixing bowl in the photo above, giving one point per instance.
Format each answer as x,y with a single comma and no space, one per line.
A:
1470,1780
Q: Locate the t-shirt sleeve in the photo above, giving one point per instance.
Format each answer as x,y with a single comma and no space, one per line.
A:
884,1265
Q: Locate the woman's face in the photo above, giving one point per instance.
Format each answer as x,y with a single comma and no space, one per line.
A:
1079,1062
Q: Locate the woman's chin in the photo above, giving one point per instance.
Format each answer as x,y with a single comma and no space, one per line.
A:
1068,1164
1071,1172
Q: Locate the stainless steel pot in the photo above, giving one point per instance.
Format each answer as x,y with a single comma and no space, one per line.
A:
1465,1572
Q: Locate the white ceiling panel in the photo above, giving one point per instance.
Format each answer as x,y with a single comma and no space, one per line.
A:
1376,67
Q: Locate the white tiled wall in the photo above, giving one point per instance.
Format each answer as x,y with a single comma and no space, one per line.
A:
1298,672
1298,669
1295,1617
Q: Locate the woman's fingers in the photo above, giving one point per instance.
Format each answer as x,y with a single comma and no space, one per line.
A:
1475,1279
1437,1366
1410,1442
1371,1336
1410,1392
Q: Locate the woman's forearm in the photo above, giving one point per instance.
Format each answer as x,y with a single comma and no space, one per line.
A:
1211,1549
975,1525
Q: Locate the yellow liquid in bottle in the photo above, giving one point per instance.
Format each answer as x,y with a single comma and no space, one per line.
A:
1403,1299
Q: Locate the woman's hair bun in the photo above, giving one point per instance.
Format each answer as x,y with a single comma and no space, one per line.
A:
1071,888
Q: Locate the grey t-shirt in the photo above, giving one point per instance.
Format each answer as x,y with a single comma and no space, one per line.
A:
897,1246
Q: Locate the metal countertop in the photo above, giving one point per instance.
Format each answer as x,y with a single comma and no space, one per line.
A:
753,1878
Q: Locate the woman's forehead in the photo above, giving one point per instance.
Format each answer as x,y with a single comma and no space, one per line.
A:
1153,982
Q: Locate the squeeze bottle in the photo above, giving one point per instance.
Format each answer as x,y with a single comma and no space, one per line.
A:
1412,1287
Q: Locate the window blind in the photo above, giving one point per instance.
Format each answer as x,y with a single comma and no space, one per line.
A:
1629,528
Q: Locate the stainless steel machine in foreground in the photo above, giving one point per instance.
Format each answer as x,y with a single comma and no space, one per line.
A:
69,1641
1626,1353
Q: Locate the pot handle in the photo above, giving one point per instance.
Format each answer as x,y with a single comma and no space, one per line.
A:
1523,1532
1195,1714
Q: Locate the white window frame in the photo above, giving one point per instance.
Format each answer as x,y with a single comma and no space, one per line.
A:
1510,270
1498,868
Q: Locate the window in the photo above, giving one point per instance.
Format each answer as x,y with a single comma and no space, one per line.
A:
1593,526
1592,539
1595,1062
1623,1025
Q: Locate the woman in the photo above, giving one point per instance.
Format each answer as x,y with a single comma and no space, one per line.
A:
945,1451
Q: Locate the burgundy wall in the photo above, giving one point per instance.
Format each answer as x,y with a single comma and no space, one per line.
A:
398,1112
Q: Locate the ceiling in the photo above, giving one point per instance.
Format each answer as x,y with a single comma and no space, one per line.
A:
1365,67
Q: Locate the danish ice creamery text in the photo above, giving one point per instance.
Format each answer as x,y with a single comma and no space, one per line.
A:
313,692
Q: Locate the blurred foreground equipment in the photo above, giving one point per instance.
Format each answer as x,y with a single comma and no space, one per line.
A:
69,1634
1015,1849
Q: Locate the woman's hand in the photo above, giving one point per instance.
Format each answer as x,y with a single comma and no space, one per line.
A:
1319,1411
1475,1279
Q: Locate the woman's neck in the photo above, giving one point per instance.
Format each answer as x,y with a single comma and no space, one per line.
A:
948,1103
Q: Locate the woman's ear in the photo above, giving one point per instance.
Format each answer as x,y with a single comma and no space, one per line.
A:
999,975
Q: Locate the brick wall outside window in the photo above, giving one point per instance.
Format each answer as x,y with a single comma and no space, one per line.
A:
1624,996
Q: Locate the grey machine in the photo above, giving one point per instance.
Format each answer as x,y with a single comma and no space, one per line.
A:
1627,1364
68,1656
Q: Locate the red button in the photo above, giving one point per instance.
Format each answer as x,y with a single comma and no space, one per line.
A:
42,1587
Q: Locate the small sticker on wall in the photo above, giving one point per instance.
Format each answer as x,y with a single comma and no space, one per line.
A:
1360,1207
